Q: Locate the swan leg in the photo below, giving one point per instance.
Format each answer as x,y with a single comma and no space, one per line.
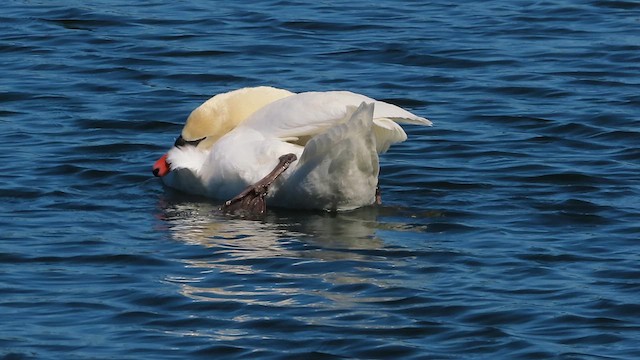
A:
378,196
251,201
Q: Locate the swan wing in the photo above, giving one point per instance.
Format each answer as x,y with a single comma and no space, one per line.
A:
302,116
338,169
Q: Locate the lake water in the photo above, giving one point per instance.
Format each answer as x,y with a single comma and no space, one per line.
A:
509,230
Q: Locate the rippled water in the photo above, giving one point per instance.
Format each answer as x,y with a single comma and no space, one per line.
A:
509,230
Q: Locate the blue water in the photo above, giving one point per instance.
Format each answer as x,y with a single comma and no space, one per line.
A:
509,230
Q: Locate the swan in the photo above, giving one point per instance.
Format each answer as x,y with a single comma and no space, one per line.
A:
310,150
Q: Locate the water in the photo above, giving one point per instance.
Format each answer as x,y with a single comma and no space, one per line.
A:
509,230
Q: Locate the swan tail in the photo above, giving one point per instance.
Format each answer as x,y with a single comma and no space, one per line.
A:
398,114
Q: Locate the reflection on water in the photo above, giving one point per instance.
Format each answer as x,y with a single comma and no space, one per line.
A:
199,222
286,255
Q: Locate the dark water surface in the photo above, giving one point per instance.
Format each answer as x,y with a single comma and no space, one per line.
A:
510,230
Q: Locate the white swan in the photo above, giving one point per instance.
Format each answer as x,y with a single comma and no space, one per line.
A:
233,140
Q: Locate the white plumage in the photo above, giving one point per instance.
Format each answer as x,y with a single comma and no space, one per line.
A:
336,136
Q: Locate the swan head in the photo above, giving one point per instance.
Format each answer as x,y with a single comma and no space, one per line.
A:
213,119
204,126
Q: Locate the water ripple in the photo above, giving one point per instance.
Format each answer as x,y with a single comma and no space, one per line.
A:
508,230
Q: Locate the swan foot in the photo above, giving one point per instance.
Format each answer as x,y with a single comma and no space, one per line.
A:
378,196
251,201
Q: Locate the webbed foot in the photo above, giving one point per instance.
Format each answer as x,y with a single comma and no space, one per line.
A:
251,201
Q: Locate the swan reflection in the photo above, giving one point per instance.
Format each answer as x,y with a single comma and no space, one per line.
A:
277,259
200,223
320,257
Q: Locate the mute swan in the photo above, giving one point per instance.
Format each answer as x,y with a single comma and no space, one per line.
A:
312,150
